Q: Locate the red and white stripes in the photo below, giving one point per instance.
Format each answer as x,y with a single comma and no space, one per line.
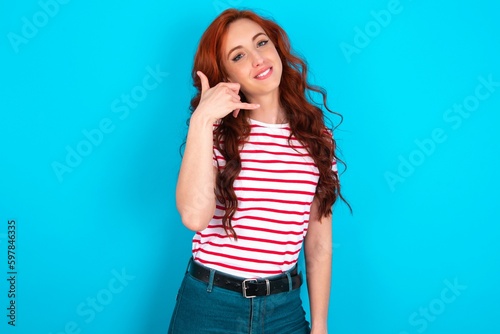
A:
275,189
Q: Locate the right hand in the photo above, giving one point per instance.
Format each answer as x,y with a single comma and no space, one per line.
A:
220,100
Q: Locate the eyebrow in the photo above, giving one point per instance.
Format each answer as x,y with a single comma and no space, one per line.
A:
239,46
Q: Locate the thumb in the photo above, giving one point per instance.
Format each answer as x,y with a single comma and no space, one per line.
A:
205,85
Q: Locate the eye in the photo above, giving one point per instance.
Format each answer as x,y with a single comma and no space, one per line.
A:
238,57
262,43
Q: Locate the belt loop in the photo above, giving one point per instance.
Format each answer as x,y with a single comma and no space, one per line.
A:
211,280
289,281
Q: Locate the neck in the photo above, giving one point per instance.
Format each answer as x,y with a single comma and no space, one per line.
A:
270,110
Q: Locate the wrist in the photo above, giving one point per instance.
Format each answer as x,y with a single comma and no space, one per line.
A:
201,118
319,329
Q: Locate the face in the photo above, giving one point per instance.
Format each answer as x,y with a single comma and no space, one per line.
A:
251,59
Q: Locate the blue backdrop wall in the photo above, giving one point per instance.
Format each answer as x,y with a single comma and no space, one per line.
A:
94,101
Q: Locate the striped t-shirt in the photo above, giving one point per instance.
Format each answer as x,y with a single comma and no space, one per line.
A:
275,189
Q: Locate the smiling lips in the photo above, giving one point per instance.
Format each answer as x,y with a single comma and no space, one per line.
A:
264,74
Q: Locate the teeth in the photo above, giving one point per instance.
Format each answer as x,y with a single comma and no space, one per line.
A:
264,73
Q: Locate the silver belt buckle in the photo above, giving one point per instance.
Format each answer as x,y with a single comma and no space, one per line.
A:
245,287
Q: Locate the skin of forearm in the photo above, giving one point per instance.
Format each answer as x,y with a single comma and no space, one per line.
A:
195,197
318,256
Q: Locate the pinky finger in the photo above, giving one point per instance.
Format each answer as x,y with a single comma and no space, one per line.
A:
236,112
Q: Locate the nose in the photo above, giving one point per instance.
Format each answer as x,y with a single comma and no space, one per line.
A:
257,59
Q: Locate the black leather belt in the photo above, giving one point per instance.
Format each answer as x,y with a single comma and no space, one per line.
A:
249,287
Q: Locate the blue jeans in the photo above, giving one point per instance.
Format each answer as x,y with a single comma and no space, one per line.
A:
202,308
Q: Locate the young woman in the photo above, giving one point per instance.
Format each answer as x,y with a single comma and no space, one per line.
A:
258,178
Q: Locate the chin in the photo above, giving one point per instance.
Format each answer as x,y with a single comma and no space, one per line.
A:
266,88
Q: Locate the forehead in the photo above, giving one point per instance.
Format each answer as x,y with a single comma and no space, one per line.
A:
240,32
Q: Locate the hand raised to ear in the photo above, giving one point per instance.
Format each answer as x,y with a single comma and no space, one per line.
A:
218,101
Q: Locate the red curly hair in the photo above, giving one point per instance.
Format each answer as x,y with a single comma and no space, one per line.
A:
305,118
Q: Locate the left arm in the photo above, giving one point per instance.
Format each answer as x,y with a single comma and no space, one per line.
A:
318,248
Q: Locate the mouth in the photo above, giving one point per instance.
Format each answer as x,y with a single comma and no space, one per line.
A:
264,74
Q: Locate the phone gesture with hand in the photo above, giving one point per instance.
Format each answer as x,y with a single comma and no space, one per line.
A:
218,101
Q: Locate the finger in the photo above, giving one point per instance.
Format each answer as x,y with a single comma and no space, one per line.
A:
236,97
246,106
205,85
234,86
236,112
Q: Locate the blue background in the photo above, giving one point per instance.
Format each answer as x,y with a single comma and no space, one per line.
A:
100,246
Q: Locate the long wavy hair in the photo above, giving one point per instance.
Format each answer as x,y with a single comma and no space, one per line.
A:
305,117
